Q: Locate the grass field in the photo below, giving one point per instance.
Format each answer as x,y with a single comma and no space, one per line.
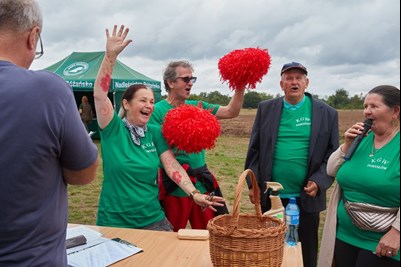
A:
226,161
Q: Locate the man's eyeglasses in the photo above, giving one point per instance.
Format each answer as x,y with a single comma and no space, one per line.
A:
188,79
40,53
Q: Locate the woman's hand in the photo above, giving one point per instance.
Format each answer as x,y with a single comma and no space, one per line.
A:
351,134
389,244
208,201
116,41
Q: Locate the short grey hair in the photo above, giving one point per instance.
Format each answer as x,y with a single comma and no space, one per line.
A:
20,15
170,73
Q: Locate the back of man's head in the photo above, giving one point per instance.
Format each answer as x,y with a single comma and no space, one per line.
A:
20,27
19,15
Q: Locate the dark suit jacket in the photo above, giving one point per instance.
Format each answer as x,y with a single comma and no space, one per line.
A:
324,140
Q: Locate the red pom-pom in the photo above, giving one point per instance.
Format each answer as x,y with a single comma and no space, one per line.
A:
190,128
242,69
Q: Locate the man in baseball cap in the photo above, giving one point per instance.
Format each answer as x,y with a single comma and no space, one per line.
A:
293,65
291,140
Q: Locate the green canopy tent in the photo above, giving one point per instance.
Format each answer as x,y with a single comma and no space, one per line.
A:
80,69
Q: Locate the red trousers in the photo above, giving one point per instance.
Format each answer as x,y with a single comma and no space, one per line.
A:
180,210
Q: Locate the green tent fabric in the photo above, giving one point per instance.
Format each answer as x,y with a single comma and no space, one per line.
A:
80,69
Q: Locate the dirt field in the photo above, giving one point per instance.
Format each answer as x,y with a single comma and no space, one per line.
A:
242,125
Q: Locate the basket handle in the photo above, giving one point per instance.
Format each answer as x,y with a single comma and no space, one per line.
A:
237,199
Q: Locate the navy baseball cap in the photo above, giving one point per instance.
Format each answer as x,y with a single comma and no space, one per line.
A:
293,65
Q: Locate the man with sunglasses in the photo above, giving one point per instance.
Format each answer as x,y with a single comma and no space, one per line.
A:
44,145
178,80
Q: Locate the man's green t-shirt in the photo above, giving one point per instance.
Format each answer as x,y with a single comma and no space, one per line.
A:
195,160
290,160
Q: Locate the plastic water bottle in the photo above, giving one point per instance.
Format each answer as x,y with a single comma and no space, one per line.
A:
292,221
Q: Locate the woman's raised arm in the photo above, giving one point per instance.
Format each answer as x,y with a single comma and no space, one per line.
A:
115,44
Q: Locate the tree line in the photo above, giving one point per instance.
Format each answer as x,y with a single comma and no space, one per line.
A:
339,100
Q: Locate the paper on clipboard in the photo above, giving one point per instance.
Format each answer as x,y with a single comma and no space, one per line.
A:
98,251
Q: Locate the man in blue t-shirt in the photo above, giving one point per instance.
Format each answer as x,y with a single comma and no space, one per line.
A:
44,145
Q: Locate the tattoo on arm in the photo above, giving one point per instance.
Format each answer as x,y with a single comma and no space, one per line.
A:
177,177
187,182
105,83
106,110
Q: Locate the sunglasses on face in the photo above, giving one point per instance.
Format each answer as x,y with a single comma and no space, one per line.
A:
188,79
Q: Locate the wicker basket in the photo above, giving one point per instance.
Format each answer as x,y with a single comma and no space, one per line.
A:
246,239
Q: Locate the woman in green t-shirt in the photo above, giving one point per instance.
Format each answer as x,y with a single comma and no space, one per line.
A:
132,152
370,176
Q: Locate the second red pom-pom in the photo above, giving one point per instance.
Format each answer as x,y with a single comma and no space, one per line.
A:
190,128
244,68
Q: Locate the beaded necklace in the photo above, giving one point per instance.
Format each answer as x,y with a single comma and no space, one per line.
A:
375,150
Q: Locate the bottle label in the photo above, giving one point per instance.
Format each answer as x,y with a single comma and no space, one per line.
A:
292,219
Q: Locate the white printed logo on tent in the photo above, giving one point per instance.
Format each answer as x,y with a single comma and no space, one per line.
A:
76,68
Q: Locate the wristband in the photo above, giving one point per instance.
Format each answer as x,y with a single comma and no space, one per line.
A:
192,194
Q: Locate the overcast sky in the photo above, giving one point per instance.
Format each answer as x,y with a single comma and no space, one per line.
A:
349,44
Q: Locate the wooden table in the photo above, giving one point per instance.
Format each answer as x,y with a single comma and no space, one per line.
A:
164,249
160,248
